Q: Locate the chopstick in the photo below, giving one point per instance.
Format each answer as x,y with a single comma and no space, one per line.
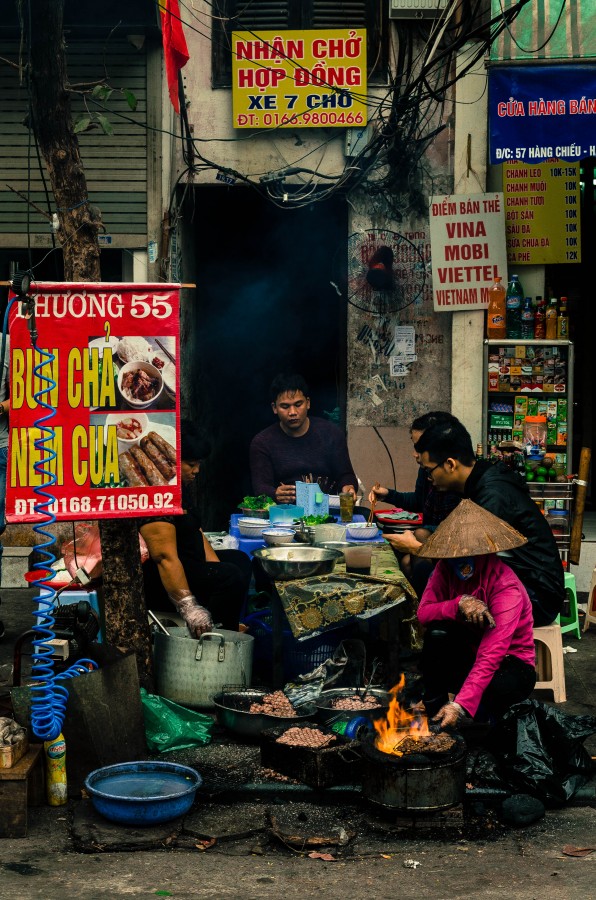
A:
166,352
371,514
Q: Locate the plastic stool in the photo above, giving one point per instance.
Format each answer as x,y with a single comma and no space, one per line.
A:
549,667
571,622
591,611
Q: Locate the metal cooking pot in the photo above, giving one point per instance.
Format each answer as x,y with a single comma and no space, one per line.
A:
191,671
286,563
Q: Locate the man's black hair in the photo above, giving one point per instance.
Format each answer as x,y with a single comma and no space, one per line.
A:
287,384
432,418
445,440
193,446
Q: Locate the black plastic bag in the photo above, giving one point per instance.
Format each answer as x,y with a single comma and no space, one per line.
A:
541,751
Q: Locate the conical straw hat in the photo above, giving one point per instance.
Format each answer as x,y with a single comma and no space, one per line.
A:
470,530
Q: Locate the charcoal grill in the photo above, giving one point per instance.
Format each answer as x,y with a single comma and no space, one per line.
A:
320,767
414,782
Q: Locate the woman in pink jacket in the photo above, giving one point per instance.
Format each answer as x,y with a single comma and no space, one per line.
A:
478,643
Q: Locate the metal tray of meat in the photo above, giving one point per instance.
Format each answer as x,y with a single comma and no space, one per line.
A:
233,705
320,767
325,712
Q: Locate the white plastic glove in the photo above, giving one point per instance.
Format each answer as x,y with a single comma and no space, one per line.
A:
450,715
198,619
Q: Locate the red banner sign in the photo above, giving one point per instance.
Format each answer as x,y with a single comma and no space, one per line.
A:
107,363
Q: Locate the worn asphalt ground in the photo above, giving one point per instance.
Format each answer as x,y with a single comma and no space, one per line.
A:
247,861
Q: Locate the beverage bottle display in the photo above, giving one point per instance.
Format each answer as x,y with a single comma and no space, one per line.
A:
540,319
495,322
527,320
513,302
563,321
551,320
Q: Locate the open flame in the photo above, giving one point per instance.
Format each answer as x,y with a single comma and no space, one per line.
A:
399,724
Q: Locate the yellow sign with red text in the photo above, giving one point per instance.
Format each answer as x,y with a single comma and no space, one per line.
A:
542,213
299,79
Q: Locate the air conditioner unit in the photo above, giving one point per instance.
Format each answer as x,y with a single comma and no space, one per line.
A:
416,9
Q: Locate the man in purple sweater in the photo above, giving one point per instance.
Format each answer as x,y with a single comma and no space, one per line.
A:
298,446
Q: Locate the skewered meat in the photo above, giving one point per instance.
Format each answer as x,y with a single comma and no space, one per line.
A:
355,702
305,737
276,704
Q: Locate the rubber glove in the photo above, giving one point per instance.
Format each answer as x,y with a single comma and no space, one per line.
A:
450,714
475,611
198,619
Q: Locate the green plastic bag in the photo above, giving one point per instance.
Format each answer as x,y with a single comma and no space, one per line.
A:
169,726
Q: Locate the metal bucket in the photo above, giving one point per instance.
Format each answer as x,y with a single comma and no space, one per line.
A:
191,671
419,785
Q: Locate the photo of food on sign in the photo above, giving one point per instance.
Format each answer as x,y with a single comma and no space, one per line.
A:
139,449
139,371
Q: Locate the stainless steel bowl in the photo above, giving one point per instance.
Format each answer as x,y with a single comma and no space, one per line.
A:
232,712
325,713
334,545
287,563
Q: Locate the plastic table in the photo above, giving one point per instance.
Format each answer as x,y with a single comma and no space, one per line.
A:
249,545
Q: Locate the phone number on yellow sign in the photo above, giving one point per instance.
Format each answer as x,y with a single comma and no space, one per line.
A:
101,503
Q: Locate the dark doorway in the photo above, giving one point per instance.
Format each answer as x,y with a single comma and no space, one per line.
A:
266,304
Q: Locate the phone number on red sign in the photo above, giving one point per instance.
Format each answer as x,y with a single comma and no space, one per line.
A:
101,503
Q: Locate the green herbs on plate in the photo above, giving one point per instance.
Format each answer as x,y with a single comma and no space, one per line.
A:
261,501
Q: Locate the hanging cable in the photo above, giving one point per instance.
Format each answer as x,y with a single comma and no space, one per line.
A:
48,698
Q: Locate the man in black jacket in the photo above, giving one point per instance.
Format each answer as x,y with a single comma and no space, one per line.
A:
447,456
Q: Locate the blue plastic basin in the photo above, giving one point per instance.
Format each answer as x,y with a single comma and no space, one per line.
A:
143,793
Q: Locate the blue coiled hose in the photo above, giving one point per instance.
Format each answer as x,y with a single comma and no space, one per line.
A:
48,698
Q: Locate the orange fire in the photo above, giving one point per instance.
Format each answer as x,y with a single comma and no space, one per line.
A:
399,723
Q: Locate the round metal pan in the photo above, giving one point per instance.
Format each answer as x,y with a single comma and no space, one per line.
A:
325,713
232,713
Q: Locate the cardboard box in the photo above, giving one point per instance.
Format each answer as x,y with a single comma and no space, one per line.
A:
551,433
551,411
521,406
561,433
532,406
562,410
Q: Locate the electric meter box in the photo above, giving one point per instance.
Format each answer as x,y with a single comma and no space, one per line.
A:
416,9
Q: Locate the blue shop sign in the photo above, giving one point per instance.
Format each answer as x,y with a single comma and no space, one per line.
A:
542,112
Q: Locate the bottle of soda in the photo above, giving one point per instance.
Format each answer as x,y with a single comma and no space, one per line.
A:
527,320
514,299
540,319
495,322
551,320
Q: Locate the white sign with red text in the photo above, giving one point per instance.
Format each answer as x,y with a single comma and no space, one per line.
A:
468,249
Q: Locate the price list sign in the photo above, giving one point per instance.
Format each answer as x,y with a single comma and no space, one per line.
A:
542,213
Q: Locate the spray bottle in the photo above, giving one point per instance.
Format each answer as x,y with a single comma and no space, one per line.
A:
56,788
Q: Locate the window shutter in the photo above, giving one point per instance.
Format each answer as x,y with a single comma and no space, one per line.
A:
272,15
115,165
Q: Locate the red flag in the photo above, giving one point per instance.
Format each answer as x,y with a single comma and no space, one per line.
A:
175,50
